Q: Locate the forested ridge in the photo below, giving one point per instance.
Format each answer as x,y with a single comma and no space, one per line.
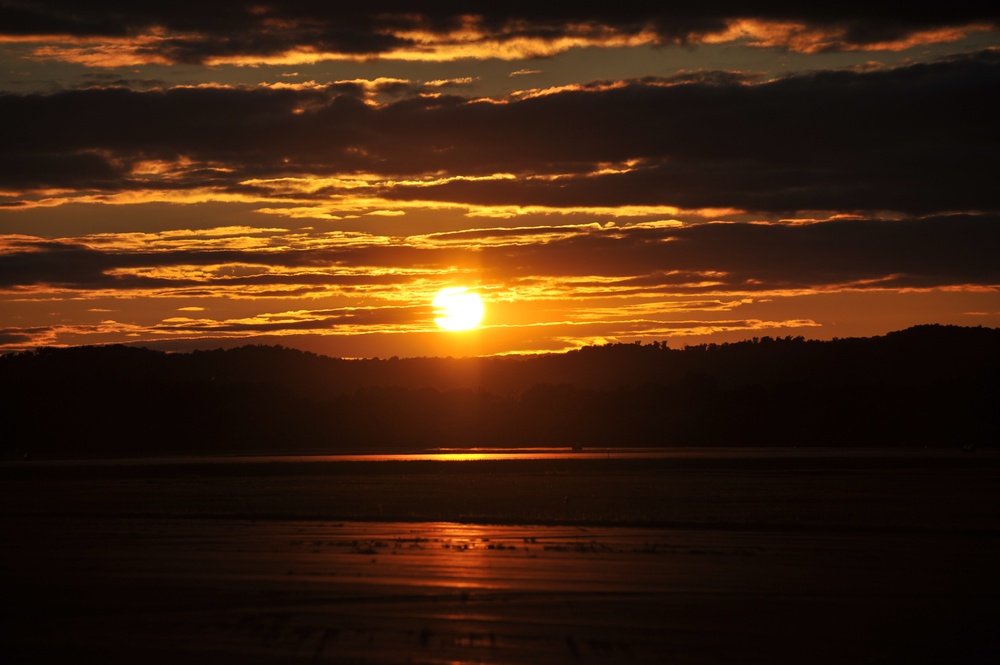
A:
924,386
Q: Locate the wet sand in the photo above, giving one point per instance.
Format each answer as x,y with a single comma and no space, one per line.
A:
825,563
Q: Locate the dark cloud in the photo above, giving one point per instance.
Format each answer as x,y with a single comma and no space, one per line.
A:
198,30
53,263
111,79
62,18
70,265
41,170
375,317
934,251
18,336
918,139
920,252
316,319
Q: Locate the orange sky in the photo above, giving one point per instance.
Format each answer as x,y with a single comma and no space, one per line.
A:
252,173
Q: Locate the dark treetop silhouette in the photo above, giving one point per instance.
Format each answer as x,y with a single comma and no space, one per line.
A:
925,386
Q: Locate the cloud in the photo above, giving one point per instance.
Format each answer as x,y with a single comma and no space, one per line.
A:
713,258
17,337
359,319
388,320
572,282
916,139
106,33
736,257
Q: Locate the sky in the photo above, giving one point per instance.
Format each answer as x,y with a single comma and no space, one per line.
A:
185,175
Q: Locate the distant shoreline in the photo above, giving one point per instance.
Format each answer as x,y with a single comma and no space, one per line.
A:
608,460
869,489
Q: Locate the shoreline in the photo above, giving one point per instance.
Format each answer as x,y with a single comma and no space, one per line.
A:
678,454
914,491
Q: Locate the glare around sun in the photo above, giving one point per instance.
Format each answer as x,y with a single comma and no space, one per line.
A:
456,308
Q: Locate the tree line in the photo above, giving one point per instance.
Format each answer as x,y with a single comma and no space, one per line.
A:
924,386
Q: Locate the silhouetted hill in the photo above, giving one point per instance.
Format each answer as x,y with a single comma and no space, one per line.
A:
928,385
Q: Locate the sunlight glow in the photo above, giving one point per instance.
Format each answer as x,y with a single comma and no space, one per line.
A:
457,308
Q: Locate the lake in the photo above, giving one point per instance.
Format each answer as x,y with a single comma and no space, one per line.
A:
682,556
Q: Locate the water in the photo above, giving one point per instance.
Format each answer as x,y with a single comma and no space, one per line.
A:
535,453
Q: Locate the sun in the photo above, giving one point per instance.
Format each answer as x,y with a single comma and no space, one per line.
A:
457,308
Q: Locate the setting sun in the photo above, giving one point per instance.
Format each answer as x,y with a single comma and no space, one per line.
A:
457,308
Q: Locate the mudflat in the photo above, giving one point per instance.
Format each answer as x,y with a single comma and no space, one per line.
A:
753,560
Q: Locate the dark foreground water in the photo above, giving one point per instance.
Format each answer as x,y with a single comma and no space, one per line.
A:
163,591
857,558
